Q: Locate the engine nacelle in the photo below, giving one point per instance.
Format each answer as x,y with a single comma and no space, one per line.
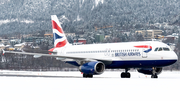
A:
94,67
148,71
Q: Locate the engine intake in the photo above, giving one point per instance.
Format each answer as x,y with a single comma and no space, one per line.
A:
94,67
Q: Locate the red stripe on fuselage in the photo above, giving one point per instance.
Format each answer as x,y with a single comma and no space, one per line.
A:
55,26
143,46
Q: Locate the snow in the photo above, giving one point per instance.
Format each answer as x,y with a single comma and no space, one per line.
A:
2,45
7,21
19,45
27,21
70,86
92,8
64,17
2,2
98,1
78,18
15,20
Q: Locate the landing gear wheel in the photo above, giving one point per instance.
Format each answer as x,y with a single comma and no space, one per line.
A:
90,76
154,76
84,75
154,73
125,75
128,75
87,75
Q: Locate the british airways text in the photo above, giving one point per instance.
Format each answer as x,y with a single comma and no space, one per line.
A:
127,54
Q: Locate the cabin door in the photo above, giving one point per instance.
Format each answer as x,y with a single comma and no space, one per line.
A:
108,52
144,54
145,50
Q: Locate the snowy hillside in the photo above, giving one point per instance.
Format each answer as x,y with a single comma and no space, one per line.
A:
27,16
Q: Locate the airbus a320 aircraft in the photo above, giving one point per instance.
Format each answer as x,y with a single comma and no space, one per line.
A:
149,57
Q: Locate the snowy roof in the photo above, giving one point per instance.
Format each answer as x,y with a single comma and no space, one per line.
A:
169,36
8,45
18,45
2,45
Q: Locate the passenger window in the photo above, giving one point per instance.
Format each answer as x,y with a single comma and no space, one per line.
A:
165,49
156,49
160,49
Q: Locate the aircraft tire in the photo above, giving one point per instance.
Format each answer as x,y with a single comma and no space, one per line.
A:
125,75
90,75
154,76
128,75
87,75
84,75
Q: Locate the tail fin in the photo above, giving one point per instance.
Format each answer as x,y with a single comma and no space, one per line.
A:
60,39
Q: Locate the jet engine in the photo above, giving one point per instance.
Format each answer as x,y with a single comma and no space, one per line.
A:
94,67
148,71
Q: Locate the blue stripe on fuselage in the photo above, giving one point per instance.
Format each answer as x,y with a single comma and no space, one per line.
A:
140,63
134,63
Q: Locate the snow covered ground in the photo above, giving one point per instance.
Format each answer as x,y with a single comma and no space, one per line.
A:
70,86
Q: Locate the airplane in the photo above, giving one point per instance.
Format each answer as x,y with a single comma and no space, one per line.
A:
148,57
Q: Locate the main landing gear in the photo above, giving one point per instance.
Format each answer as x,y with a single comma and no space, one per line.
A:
154,73
87,75
125,74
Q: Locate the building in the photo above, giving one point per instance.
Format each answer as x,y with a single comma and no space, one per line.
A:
107,36
14,41
19,46
70,34
67,34
2,46
48,35
127,33
4,41
149,34
80,40
99,37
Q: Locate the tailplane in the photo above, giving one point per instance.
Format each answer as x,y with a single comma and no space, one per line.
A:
60,39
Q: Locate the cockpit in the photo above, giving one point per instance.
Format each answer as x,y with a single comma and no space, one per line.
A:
162,49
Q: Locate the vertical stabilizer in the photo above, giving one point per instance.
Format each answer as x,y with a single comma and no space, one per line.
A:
60,39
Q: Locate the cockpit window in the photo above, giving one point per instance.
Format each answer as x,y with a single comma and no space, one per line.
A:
156,49
160,49
166,49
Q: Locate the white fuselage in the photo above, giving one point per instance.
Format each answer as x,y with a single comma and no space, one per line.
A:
123,52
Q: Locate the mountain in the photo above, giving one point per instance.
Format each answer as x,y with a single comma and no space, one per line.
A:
26,16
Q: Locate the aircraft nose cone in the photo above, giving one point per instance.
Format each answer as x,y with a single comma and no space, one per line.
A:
174,57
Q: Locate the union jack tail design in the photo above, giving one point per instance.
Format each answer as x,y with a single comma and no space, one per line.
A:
60,39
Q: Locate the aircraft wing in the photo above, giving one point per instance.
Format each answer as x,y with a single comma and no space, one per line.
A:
36,55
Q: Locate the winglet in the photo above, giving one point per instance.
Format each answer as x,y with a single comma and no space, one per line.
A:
3,51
